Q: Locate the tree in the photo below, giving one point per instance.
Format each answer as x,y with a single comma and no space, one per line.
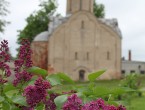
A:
37,22
3,13
99,10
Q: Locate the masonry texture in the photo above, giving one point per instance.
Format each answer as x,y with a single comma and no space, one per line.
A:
80,43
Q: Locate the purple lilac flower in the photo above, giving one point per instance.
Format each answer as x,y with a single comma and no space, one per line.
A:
94,105
110,107
49,103
4,59
27,108
23,63
23,76
99,104
121,107
37,93
73,103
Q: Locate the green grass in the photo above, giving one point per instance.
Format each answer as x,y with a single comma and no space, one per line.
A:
137,103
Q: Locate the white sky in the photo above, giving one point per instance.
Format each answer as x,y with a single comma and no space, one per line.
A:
130,15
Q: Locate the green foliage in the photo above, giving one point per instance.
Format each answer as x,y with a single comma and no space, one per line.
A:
13,95
60,100
93,76
37,22
38,71
1,99
19,99
54,79
5,106
130,81
99,10
65,78
3,12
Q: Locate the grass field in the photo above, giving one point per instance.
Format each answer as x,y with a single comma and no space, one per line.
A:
137,103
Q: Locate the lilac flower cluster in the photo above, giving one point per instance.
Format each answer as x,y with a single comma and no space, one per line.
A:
23,63
49,103
4,59
75,103
37,93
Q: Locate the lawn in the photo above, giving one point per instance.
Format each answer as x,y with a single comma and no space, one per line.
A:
137,103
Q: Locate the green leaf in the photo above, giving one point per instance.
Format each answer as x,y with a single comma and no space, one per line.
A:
54,79
38,71
40,107
121,90
60,100
18,99
1,99
11,93
93,76
6,106
9,87
66,78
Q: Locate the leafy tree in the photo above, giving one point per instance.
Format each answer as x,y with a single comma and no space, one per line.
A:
99,10
3,12
37,22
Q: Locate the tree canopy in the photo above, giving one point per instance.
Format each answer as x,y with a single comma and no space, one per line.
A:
37,22
99,10
3,13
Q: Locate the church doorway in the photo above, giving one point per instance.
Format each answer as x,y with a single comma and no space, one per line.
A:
82,75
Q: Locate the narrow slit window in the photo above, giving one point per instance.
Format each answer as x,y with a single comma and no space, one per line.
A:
76,56
80,4
82,25
108,55
87,55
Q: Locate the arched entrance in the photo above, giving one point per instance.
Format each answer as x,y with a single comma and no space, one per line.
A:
82,75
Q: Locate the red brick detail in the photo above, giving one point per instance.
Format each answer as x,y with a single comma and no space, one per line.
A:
40,54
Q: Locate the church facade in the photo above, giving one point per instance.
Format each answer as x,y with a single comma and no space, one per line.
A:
79,44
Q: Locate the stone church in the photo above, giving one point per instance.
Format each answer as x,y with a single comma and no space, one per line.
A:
79,43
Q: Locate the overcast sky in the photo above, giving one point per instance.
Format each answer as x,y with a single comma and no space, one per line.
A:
130,15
